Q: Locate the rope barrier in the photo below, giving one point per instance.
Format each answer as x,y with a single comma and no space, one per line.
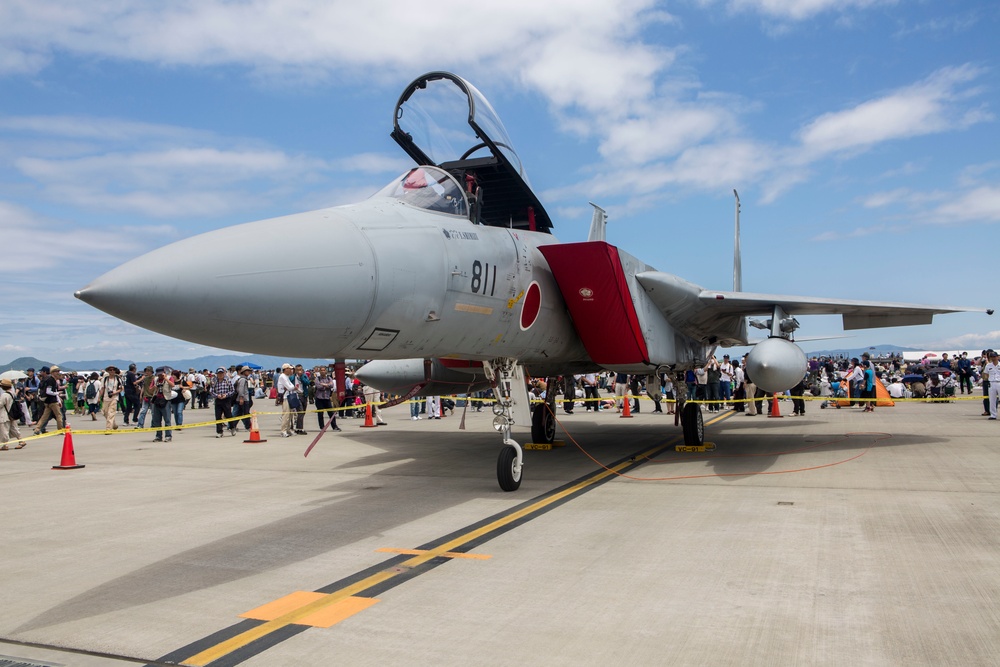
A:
470,399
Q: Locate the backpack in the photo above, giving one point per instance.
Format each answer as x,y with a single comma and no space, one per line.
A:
91,390
14,412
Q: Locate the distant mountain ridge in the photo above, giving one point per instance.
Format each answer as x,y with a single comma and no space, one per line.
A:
210,362
22,363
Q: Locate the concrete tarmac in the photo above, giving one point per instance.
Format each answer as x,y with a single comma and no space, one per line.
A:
837,538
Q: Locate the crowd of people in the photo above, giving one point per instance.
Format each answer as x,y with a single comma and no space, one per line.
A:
725,384
164,393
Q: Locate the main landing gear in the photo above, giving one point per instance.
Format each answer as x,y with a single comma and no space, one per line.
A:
543,420
692,423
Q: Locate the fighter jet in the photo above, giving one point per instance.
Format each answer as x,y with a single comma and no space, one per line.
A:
450,278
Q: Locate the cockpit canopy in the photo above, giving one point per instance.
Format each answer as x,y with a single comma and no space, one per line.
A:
428,188
441,119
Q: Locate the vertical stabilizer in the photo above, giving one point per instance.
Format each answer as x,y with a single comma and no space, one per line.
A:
737,266
598,224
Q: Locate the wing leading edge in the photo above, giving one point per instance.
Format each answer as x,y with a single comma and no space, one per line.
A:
662,289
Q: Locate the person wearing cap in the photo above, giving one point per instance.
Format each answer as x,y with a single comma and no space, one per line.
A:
326,398
30,386
991,372
8,424
49,391
286,387
162,387
146,388
964,367
130,396
854,379
223,392
92,395
111,390
726,381
302,385
243,397
178,402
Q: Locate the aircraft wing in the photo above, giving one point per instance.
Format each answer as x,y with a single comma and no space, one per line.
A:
856,314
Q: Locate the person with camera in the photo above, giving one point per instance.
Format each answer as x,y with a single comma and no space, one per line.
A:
223,392
162,388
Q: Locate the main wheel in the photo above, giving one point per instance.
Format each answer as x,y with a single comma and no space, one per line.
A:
543,424
693,425
510,480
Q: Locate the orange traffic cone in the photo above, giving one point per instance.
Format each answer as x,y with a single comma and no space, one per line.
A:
627,411
368,417
254,431
68,456
775,412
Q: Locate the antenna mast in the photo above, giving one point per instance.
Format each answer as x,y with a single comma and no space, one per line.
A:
737,268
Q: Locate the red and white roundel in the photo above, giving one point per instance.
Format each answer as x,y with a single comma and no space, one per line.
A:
530,306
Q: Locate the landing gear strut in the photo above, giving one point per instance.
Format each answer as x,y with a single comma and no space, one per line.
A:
510,462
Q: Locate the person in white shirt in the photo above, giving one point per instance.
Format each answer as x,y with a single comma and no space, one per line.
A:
855,379
992,373
739,389
668,393
111,389
896,389
591,399
285,386
725,381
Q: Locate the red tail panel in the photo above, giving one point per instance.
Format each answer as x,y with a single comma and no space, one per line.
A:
595,289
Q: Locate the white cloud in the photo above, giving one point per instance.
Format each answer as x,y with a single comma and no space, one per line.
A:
845,235
590,60
880,199
152,170
663,133
104,129
936,104
168,168
970,341
51,243
798,10
372,163
981,204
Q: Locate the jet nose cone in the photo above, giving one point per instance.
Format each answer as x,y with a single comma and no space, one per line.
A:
262,287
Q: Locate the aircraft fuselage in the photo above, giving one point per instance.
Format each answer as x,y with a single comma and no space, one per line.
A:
375,280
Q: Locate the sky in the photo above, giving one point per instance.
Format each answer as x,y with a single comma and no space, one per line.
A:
862,137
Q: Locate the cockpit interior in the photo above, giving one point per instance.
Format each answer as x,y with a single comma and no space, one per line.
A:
465,159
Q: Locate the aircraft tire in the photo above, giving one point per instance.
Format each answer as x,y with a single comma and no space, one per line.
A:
543,424
509,480
693,425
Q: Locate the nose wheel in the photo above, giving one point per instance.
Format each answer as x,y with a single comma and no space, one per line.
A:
509,466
